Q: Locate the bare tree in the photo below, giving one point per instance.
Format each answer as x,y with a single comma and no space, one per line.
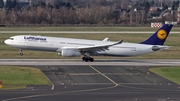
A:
49,15
14,16
2,16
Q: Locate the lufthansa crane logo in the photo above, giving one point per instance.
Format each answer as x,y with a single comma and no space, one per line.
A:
161,34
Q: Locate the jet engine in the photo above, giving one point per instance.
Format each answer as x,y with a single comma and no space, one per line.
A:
70,53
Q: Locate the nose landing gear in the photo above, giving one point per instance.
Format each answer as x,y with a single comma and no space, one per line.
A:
21,53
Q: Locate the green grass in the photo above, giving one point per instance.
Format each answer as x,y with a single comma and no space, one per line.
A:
170,73
17,77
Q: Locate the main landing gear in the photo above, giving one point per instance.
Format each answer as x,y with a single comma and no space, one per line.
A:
21,53
86,59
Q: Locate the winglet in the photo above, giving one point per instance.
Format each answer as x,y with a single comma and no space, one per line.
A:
106,39
119,42
159,37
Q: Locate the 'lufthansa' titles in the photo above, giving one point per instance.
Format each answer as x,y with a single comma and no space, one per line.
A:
161,34
31,38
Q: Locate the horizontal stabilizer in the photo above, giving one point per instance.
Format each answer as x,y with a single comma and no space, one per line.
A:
156,48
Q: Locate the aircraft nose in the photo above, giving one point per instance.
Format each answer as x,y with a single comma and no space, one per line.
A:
6,41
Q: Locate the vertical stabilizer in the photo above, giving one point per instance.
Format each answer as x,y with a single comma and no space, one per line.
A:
159,37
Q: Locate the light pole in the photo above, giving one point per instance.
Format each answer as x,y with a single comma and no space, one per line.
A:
135,10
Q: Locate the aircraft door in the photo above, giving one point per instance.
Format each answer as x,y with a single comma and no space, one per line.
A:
138,48
20,40
51,43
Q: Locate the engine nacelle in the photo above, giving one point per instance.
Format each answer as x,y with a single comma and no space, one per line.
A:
70,53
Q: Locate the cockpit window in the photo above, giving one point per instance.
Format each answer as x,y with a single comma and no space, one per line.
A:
11,38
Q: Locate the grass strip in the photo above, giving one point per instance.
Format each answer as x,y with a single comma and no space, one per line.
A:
17,77
170,73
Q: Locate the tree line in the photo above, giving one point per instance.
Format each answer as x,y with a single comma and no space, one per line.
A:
79,12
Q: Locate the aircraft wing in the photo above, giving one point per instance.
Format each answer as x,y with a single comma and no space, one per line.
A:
98,47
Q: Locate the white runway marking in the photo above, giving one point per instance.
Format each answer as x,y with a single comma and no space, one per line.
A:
107,62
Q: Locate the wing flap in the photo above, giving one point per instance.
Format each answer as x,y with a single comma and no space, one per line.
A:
98,47
102,47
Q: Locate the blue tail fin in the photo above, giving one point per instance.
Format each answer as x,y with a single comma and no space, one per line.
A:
160,36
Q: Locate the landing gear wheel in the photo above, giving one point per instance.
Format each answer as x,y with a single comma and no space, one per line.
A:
83,58
86,59
91,59
21,54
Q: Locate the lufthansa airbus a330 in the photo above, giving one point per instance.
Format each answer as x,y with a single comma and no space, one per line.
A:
70,47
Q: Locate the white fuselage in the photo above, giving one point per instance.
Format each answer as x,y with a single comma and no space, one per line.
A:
45,43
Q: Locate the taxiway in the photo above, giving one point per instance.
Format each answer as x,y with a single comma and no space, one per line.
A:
126,80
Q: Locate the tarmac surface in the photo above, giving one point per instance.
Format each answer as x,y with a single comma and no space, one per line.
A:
96,81
105,62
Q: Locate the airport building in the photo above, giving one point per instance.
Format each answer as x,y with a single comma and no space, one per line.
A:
22,2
